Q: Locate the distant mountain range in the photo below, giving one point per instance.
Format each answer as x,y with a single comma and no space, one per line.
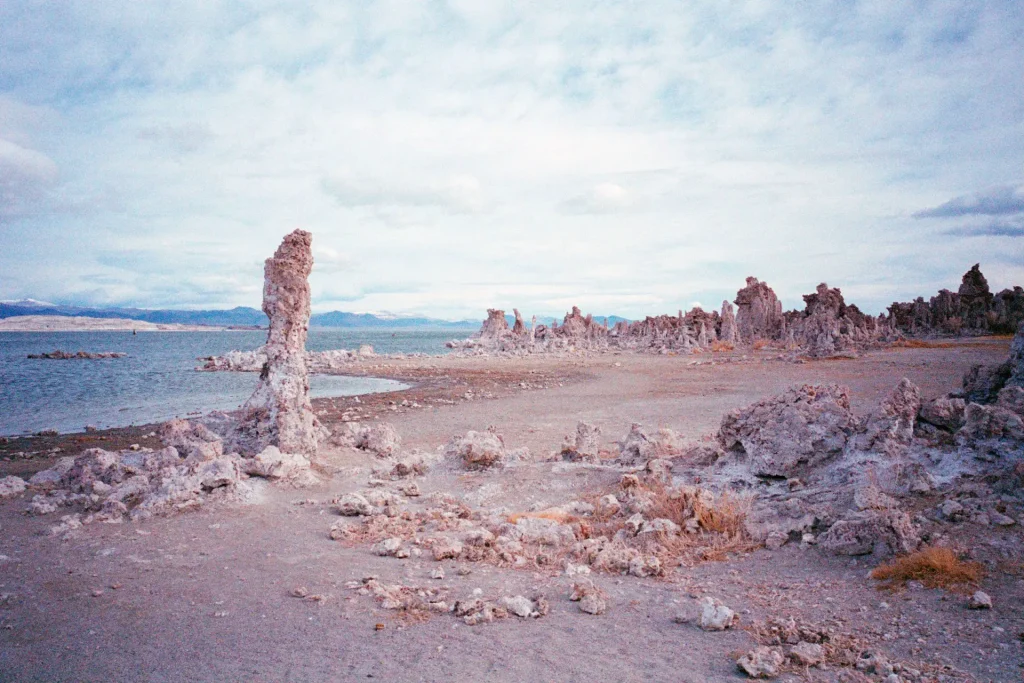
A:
236,317
243,316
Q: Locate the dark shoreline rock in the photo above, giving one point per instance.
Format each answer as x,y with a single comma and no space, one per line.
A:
79,355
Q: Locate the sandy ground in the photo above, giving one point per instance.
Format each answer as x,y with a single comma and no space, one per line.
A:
206,595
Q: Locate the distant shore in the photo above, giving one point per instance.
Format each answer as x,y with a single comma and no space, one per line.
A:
60,323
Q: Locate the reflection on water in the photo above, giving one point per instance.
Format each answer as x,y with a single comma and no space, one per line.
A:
157,380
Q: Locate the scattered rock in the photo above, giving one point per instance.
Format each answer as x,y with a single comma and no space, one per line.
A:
807,654
761,662
353,505
11,486
980,600
715,616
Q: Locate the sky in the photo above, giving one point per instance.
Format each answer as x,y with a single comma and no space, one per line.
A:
632,158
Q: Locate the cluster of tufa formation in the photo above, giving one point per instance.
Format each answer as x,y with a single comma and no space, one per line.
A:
973,309
827,327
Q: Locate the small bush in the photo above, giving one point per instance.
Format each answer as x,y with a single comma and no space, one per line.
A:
933,567
718,346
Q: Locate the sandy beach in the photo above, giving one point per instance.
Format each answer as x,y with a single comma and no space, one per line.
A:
208,594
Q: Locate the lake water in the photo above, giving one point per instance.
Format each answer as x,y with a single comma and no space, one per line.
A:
157,380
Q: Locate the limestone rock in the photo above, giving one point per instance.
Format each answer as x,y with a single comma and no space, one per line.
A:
591,599
381,439
945,413
354,505
192,440
495,327
759,313
478,450
803,427
271,463
519,328
761,662
807,654
980,600
584,446
883,532
982,383
715,616
279,412
11,486
728,333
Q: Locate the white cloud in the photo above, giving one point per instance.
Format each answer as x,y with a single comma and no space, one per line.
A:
452,156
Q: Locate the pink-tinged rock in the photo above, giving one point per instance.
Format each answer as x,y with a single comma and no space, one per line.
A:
279,413
495,327
947,413
728,333
11,486
759,312
803,427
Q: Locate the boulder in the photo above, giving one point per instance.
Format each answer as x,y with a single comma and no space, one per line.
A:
761,662
11,486
478,450
778,436
715,616
882,532
944,413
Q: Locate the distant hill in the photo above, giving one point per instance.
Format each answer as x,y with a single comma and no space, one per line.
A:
340,319
235,317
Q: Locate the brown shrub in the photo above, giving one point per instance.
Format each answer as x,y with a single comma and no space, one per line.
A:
722,346
921,344
933,567
760,344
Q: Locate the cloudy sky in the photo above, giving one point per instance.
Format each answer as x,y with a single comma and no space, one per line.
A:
632,158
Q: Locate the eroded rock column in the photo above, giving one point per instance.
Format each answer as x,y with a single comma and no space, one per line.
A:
279,412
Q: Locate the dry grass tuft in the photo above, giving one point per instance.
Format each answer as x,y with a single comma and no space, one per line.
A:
933,567
760,344
717,346
724,514
921,344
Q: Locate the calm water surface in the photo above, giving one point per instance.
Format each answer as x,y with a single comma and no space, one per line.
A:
157,380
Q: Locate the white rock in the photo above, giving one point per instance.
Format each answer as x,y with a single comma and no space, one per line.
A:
714,616
980,600
354,505
519,605
592,603
761,662
11,486
807,654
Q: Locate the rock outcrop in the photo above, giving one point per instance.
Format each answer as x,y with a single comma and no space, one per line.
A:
728,331
780,436
971,310
758,313
495,327
279,412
